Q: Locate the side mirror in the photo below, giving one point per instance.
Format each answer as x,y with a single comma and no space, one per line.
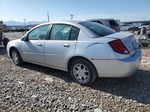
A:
25,39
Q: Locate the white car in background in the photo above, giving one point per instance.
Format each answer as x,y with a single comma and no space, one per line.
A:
126,27
85,49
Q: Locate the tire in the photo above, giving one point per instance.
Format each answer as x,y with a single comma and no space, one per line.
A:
148,46
16,58
140,45
5,42
83,72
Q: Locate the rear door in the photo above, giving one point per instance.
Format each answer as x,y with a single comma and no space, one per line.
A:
61,44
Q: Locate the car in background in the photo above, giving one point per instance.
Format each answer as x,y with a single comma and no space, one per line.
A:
126,27
144,40
85,49
148,33
111,23
143,30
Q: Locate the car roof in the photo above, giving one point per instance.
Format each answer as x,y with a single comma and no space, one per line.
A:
73,23
100,19
144,26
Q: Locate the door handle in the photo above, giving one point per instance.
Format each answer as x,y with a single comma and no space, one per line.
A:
39,45
66,45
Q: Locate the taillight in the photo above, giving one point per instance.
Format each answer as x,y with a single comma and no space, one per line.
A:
118,47
113,27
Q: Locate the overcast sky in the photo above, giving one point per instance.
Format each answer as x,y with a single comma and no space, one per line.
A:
36,10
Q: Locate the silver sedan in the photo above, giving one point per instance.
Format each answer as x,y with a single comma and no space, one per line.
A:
85,49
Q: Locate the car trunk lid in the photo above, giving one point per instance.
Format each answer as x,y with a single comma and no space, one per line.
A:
127,39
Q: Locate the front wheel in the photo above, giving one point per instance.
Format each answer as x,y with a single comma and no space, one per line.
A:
83,72
16,57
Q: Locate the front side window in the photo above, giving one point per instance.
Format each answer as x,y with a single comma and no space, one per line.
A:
63,32
99,29
39,33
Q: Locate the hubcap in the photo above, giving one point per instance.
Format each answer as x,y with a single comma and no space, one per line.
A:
15,57
81,73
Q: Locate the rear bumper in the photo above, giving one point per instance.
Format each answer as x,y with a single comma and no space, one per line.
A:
118,68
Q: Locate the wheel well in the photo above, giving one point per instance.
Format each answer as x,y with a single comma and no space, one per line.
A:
78,57
11,49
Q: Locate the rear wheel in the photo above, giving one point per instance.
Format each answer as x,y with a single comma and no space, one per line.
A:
83,72
16,58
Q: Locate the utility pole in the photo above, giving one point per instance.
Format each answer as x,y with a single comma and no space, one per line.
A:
30,23
24,22
48,16
71,15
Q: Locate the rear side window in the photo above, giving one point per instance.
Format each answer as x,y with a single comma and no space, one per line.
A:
63,32
74,33
113,23
99,29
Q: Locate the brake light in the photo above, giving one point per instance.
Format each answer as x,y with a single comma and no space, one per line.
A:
113,27
118,47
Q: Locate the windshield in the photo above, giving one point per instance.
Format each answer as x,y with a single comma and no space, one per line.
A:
99,29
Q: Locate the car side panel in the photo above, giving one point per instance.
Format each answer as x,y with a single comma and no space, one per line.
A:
94,50
57,52
33,51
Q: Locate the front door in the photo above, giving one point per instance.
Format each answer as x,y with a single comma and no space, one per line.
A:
33,48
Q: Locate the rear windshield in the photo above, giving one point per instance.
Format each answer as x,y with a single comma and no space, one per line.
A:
97,22
99,29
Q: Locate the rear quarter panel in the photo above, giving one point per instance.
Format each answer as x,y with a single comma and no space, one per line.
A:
94,50
93,47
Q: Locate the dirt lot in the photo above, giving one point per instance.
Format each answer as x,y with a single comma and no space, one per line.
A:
36,88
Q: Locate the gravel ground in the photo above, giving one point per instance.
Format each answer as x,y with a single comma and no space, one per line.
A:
35,88
14,35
